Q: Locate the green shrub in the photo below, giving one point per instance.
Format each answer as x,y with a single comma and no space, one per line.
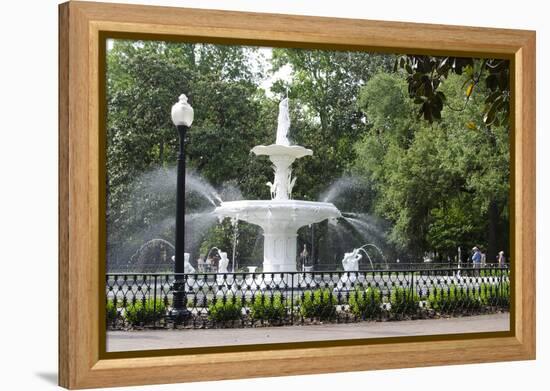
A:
320,304
225,310
403,301
268,307
111,312
442,299
455,298
365,304
503,294
145,312
497,295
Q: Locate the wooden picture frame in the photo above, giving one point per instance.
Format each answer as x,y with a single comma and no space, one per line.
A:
83,362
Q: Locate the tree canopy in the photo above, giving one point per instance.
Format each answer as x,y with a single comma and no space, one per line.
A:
438,182
423,140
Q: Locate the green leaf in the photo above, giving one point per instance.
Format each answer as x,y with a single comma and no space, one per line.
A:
469,89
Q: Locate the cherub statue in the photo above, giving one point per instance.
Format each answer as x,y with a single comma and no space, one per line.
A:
223,262
350,262
187,267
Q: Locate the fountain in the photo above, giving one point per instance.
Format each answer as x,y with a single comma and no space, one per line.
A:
281,217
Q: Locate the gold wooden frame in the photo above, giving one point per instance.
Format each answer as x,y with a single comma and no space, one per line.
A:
82,362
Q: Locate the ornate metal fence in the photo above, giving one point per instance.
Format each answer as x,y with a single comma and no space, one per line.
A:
255,299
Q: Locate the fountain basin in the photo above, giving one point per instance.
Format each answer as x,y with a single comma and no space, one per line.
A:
280,221
293,152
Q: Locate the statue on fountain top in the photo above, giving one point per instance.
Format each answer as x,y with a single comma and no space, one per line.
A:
283,123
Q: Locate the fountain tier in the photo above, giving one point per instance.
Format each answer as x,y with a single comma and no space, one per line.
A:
280,221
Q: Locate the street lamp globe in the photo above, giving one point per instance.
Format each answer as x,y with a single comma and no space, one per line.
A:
182,112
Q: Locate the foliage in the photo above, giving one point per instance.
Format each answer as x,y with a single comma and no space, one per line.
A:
225,310
111,312
318,304
455,299
144,80
365,304
440,182
442,185
425,75
145,312
221,236
268,307
403,301
495,294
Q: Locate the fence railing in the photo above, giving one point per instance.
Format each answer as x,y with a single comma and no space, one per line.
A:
376,266
140,300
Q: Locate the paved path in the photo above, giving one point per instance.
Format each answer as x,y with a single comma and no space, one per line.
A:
174,339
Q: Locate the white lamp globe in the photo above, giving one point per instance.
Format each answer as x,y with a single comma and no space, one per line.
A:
182,112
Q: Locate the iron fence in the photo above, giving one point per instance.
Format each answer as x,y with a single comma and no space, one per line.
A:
141,300
381,266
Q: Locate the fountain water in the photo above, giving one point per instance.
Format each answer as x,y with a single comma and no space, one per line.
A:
281,217
377,249
235,226
350,262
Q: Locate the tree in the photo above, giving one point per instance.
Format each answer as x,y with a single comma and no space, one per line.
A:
425,75
436,182
441,179
144,80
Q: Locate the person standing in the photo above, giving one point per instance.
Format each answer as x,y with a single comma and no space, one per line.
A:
501,259
476,257
304,257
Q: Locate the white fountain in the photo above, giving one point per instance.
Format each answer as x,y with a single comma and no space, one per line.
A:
280,217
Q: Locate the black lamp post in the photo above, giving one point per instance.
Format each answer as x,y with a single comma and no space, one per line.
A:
312,245
182,117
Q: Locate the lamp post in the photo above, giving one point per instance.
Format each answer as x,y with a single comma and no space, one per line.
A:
312,245
182,117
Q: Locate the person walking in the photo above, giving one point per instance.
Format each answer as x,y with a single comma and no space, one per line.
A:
501,259
476,257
